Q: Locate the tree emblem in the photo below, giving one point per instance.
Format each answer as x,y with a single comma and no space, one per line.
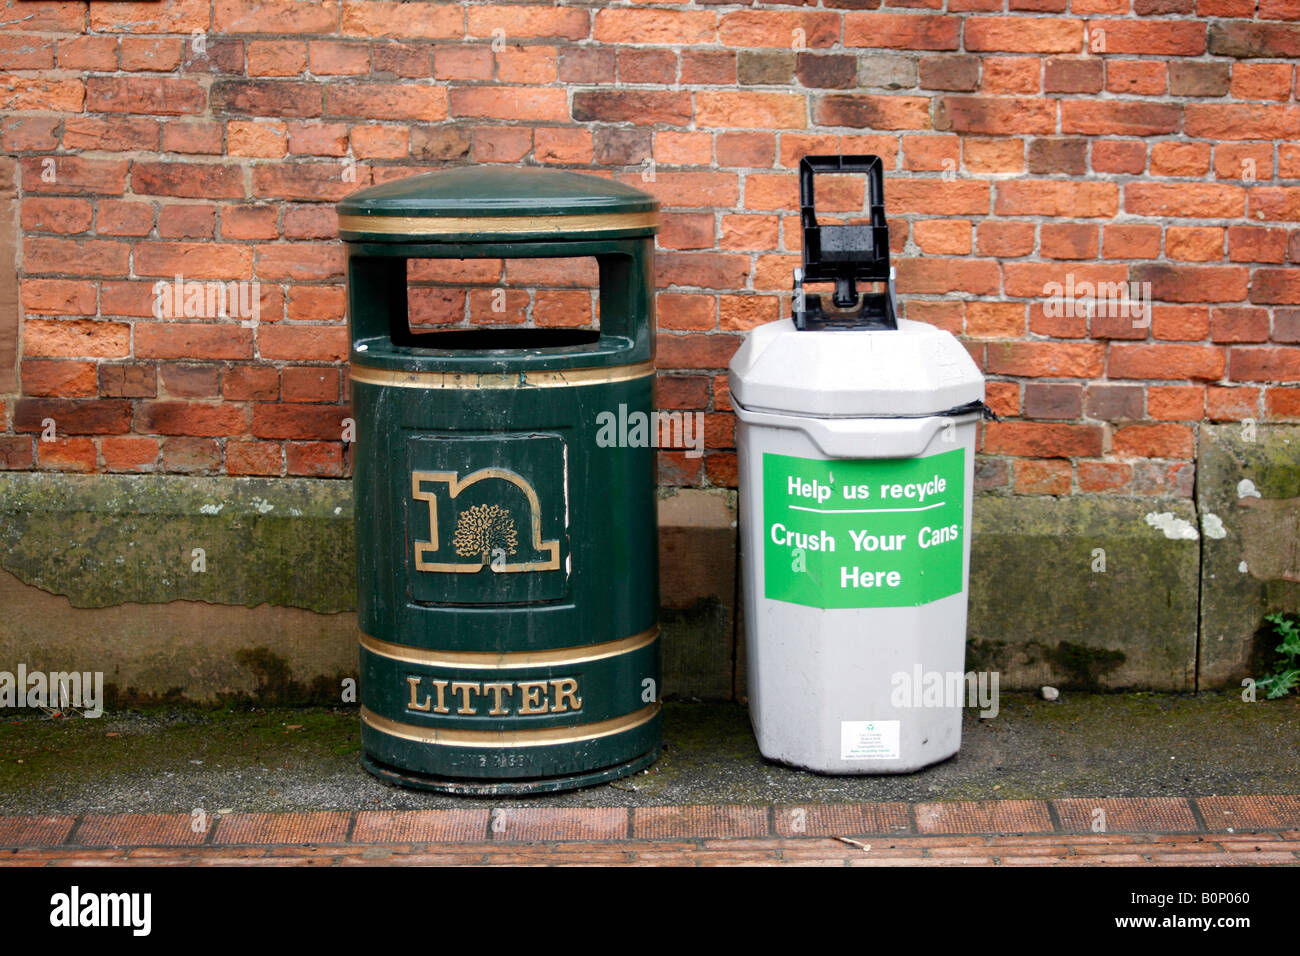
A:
484,529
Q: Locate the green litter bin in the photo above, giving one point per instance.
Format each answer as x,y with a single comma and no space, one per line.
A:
507,559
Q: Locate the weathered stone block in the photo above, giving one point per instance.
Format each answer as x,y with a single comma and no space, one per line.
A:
103,540
1043,611
1248,496
697,592
182,650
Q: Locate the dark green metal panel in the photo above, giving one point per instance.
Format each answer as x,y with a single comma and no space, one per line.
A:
507,578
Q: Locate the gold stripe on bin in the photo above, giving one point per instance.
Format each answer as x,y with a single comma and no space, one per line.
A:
555,657
547,378
557,226
540,737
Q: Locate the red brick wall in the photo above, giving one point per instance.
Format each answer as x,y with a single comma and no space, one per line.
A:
1022,142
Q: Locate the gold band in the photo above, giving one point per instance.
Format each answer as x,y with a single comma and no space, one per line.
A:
486,659
557,226
522,379
541,737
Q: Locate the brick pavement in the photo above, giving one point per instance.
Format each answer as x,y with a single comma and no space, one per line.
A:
1207,831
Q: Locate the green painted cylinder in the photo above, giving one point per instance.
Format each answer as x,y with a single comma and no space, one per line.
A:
506,536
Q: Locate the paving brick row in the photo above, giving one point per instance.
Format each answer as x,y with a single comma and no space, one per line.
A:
559,823
543,854
699,822
1159,814
920,861
245,861
940,852
1091,850
422,826
84,861
1126,821
1031,860
418,859
843,819
1246,812
733,863
35,831
1260,847
988,816
947,861
136,829
912,851
157,855
54,852
810,863
1224,859
1105,859
1084,839
324,850
970,840
315,827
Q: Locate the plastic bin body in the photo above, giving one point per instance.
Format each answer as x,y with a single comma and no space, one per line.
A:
507,558
855,602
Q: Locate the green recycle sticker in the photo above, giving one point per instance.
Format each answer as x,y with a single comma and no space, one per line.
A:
854,533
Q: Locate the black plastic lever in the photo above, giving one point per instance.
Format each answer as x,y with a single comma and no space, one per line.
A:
844,255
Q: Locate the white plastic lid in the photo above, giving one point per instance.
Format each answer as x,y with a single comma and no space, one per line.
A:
913,370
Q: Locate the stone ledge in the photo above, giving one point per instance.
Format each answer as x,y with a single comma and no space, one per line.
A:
279,562
104,540
987,824
181,650
103,570
1248,495
697,588
1042,610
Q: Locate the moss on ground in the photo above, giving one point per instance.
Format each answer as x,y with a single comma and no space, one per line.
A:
169,758
38,752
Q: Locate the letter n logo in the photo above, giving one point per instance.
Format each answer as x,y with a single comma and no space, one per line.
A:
486,532
486,518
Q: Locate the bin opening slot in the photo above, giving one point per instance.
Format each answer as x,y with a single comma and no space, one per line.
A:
488,339
476,304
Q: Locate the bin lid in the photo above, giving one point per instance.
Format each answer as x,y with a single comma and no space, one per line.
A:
495,203
913,370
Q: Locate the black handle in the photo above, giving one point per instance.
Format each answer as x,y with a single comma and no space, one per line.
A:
844,255
809,166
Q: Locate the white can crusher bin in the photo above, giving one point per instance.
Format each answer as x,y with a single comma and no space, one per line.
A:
856,441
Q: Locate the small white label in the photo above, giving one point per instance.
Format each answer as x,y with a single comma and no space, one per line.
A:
869,739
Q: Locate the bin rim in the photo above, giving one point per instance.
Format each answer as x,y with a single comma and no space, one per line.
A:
975,409
913,371
491,203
